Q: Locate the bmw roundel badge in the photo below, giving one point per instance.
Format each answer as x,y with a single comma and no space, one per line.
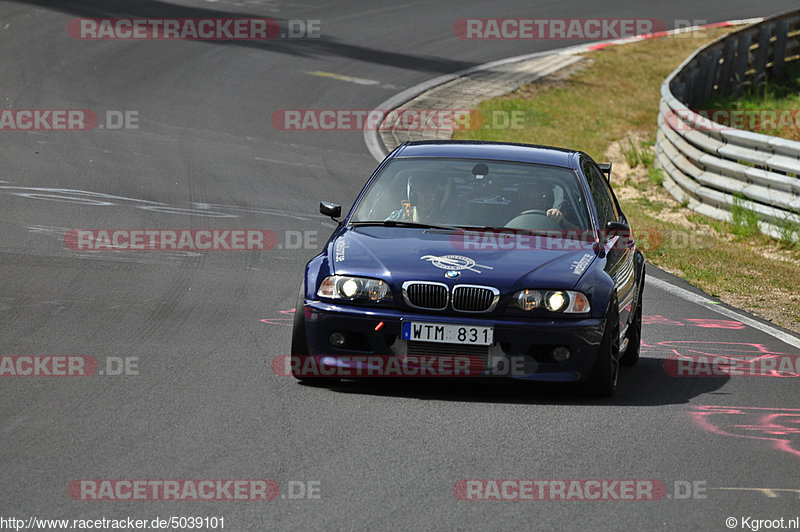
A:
452,274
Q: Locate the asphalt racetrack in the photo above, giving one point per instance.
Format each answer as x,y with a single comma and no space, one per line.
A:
183,340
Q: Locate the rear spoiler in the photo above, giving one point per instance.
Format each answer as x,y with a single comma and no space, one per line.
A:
606,169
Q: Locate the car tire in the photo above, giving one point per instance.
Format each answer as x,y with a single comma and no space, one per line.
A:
603,380
634,335
299,350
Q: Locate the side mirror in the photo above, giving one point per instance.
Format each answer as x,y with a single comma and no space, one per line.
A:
617,226
619,229
331,209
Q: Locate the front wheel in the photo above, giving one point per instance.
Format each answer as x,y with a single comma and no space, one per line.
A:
634,334
299,352
603,380
631,356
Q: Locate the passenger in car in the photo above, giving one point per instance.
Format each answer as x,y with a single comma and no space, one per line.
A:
425,199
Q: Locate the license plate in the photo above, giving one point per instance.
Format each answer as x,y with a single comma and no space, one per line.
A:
447,333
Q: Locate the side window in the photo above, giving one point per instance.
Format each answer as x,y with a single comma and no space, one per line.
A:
606,210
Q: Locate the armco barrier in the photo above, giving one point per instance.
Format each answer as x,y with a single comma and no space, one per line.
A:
714,167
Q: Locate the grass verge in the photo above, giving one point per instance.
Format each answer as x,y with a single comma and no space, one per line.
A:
770,108
607,106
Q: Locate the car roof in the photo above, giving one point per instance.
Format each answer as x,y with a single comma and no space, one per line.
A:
498,151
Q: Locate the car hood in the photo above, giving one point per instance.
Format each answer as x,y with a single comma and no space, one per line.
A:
397,254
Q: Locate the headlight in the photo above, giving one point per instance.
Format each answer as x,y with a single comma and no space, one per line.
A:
566,301
528,299
556,301
354,288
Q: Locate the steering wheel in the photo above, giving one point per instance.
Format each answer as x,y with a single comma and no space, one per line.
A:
533,219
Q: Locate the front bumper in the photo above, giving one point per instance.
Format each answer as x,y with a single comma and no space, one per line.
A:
522,348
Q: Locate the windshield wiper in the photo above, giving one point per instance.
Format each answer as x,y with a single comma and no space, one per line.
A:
398,223
497,229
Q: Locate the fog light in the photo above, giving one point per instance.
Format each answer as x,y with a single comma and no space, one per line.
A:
336,339
560,354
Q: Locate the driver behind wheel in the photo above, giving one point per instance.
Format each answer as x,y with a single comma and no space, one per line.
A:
539,196
424,197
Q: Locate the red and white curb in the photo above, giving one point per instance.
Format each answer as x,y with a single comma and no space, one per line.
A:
372,137
676,31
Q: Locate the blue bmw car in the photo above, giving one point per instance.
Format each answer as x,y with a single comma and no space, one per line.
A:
475,259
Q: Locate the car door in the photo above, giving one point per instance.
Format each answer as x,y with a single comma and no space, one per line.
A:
619,248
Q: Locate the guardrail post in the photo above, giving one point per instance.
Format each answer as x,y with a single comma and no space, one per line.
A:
728,54
710,67
691,85
740,64
779,56
762,53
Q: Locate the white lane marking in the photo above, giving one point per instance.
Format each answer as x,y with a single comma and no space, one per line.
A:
78,193
290,163
256,210
769,492
193,212
352,79
49,230
713,305
342,77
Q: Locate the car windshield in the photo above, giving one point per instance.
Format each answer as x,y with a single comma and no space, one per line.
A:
474,193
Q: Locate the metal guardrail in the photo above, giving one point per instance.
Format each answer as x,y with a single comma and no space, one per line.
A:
712,167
